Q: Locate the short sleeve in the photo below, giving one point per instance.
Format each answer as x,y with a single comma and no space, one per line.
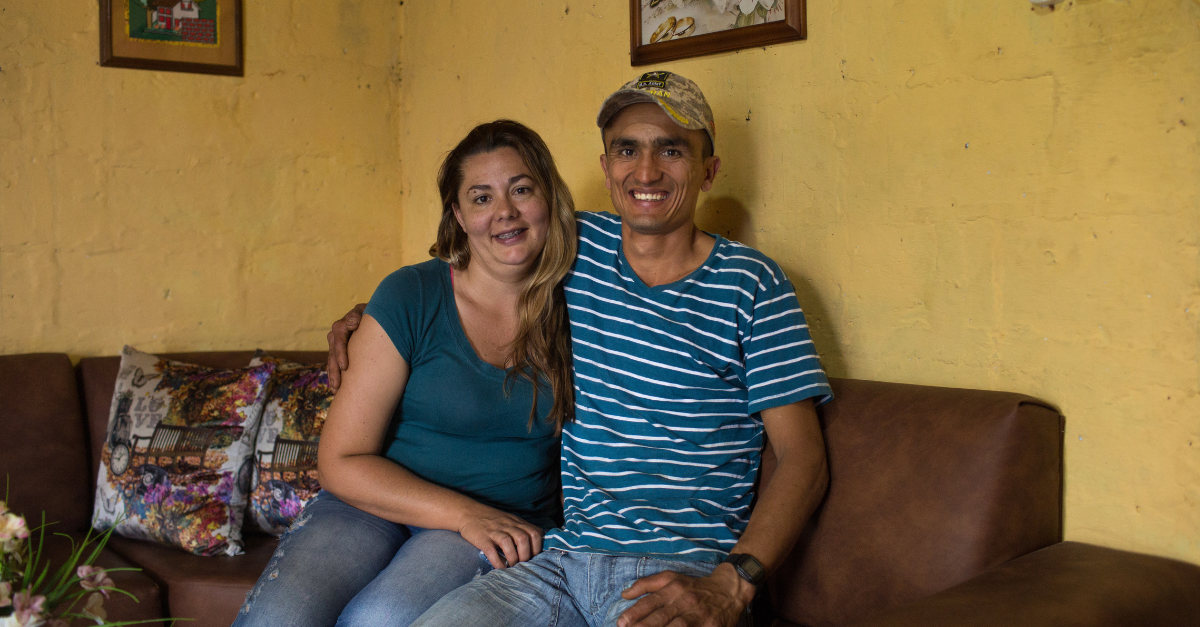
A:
398,306
782,365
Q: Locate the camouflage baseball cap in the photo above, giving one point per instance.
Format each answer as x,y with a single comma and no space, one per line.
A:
679,98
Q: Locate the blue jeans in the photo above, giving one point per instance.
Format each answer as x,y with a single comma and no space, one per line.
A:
554,589
340,565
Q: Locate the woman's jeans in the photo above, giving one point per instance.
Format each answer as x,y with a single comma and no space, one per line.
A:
340,565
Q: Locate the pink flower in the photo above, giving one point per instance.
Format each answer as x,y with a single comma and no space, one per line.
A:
12,532
5,594
95,608
27,608
12,526
93,578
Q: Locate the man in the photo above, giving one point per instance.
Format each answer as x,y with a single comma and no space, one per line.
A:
688,350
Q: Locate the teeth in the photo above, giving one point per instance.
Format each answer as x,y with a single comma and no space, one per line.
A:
644,196
510,234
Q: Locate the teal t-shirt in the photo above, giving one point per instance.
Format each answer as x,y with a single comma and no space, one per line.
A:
454,425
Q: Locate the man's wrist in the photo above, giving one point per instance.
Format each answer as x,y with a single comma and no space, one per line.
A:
741,589
748,567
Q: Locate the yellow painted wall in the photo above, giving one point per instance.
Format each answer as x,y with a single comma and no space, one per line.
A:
188,212
966,193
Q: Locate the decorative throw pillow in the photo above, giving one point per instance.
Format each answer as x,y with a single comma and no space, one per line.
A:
286,453
178,458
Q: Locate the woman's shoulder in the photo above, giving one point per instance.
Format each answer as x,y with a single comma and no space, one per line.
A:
415,276
421,280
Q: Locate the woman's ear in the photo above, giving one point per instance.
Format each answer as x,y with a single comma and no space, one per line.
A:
458,216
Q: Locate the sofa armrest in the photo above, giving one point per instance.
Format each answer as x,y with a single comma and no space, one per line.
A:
928,488
1064,585
43,441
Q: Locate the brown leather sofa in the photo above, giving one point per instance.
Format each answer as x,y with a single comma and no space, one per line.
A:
944,508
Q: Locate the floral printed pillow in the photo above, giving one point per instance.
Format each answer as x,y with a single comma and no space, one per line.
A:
178,458
286,453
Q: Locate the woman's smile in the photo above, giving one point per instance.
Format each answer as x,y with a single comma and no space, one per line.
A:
511,236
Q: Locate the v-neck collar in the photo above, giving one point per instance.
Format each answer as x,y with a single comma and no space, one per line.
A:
460,334
626,270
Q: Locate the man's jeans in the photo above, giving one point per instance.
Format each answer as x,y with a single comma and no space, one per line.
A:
554,589
340,565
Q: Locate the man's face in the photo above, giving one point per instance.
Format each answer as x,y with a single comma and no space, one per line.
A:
654,169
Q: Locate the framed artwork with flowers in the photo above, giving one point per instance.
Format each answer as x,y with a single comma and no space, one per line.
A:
662,30
200,36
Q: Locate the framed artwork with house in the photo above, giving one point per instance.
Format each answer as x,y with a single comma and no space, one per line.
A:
201,36
662,30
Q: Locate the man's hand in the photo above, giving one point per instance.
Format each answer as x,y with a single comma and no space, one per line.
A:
717,600
339,338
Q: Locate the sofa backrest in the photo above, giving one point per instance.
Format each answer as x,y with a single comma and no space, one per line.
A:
928,487
98,378
43,451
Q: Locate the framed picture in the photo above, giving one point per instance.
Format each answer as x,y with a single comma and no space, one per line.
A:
202,36
662,30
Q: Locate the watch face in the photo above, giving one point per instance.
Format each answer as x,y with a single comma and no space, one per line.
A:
749,568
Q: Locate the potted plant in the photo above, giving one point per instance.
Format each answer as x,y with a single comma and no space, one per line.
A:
34,592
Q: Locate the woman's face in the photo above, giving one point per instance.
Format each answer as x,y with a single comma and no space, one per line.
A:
504,213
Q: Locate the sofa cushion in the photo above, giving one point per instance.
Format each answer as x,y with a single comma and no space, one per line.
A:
286,452
43,452
98,377
928,488
176,464
1064,585
207,590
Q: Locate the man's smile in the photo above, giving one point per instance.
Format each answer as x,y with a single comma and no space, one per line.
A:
650,196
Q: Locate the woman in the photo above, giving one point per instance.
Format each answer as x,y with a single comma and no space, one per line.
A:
439,458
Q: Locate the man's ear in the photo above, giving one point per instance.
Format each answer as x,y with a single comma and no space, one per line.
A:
604,167
711,166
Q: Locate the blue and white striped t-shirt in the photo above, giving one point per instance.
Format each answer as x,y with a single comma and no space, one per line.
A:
664,450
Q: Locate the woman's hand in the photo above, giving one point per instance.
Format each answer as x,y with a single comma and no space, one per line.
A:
505,539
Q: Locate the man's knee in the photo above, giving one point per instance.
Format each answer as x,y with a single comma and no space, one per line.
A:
521,595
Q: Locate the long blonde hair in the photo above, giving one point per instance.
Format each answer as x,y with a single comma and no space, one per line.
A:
541,350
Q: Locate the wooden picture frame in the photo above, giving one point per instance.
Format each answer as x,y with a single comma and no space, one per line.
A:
698,27
199,36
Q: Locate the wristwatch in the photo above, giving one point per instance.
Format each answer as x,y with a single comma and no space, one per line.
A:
747,567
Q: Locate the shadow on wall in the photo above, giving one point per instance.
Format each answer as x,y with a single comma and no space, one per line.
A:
820,325
593,196
727,216
737,187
